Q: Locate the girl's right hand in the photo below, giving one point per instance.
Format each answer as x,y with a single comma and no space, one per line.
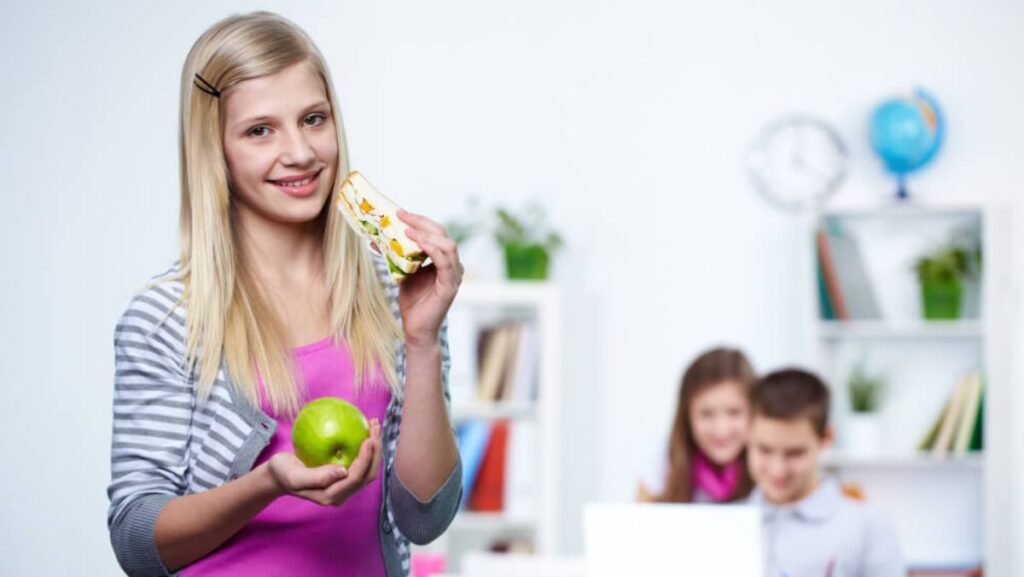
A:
328,484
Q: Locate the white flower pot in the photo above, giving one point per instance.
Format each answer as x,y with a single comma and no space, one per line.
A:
862,434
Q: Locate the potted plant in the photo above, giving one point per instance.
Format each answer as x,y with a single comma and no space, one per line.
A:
863,432
526,241
942,274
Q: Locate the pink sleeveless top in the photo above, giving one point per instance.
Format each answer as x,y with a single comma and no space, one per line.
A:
293,536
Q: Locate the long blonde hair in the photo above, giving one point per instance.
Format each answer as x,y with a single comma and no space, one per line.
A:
227,317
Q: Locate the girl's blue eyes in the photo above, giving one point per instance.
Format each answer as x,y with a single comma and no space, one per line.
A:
314,119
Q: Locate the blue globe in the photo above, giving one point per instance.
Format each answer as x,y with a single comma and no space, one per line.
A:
907,132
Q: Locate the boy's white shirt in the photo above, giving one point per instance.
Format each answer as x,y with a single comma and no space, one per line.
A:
803,538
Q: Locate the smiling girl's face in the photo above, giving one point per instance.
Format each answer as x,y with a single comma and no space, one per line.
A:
720,420
280,145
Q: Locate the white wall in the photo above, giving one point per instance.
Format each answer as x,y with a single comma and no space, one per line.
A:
629,120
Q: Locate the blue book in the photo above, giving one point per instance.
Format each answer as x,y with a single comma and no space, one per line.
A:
827,311
472,437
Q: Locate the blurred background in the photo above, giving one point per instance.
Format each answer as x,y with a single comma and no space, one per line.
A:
648,133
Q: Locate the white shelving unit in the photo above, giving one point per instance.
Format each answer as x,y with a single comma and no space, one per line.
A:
898,463
947,511
498,410
480,304
890,330
493,522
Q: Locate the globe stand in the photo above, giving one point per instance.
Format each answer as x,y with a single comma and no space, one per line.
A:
901,189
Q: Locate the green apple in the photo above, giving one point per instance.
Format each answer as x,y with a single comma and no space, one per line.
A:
329,430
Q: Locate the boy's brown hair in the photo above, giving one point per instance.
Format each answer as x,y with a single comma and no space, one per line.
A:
792,394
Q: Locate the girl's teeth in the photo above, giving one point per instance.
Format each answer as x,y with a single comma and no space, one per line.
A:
297,183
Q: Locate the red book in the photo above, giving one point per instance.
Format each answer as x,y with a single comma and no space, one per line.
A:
489,491
828,269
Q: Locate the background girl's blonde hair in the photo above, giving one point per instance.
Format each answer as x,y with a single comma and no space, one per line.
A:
227,317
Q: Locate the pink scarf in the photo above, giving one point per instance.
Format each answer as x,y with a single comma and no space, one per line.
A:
718,482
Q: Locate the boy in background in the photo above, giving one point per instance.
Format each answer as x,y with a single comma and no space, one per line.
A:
811,529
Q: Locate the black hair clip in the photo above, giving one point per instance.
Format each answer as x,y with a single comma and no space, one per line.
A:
206,87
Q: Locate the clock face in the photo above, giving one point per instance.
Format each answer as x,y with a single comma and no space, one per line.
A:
797,162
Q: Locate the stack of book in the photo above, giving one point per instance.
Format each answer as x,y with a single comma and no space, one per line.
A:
498,466
507,362
958,428
498,454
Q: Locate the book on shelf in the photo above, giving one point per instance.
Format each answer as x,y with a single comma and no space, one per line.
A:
520,469
487,494
846,288
472,437
969,416
521,379
958,427
833,302
977,435
512,546
492,356
854,281
828,311
498,458
949,420
507,360
515,337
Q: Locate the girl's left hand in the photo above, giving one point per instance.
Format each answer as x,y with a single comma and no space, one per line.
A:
425,297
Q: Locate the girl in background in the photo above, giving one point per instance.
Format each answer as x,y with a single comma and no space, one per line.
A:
704,460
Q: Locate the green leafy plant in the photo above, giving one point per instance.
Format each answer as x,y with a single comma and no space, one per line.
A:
947,264
528,227
527,241
943,272
865,390
525,237
956,260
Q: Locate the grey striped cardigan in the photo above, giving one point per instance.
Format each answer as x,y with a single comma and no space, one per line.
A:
165,444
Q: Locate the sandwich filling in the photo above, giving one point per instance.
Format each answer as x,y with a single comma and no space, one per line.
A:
374,216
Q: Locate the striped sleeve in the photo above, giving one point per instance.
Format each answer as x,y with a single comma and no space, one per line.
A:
153,406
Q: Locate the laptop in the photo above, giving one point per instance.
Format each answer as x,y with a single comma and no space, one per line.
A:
678,540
